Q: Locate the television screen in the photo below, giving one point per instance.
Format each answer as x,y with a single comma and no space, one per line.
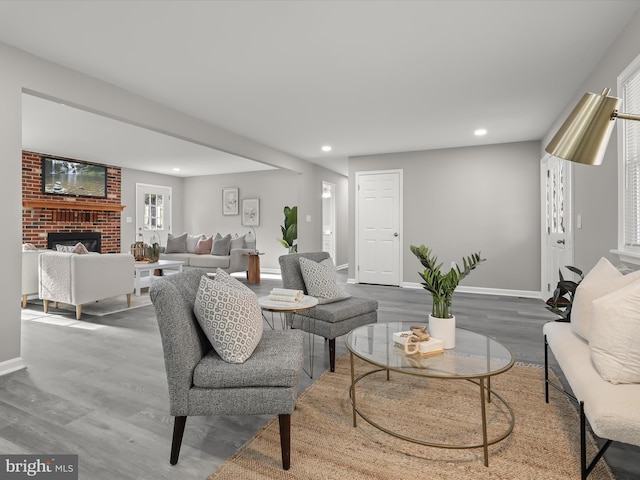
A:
73,178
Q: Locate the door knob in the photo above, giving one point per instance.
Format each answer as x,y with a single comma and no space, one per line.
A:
395,234
561,242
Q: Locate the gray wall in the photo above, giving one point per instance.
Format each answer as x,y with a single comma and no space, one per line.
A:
462,200
595,189
202,210
11,213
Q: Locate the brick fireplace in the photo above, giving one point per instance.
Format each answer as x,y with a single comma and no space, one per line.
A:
42,214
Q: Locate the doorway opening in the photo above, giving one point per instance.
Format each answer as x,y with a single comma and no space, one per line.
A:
329,219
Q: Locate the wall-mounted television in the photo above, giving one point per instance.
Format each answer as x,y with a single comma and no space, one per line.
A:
73,178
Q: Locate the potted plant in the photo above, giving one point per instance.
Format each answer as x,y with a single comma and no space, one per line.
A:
290,229
441,285
562,300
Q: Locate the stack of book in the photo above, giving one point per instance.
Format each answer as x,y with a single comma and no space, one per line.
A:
286,295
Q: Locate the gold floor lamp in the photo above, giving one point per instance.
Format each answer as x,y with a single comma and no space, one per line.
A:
584,135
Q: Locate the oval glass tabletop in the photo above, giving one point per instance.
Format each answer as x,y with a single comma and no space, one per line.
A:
475,355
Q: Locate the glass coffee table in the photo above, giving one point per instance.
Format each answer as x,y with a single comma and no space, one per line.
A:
476,358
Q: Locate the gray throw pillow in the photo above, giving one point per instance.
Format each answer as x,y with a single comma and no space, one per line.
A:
176,244
229,315
320,280
221,246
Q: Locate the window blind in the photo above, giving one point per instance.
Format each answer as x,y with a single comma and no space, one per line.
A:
631,156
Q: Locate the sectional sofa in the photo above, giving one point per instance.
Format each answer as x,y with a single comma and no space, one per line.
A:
230,253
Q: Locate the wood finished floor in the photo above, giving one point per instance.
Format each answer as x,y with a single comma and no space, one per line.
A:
101,391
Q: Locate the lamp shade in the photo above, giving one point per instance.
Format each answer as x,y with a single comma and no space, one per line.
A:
584,135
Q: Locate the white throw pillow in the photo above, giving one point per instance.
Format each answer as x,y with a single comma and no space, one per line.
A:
615,335
229,315
237,242
320,280
602,279
192,242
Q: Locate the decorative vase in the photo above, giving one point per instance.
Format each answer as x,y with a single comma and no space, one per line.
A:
443,329
153,252
138,250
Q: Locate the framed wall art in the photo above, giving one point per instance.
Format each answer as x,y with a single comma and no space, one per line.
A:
250,211
230,201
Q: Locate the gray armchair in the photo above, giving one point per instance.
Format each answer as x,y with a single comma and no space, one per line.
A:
331,319
201,383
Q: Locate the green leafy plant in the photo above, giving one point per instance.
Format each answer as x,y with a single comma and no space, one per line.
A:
442,285
290,229
562,300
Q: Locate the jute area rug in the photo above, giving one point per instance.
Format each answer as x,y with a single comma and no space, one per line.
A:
544,443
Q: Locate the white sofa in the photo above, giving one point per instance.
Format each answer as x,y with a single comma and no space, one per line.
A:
599,354
29,274
77,279
235,260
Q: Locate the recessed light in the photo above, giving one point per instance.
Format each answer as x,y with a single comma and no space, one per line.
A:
326,148
176,169
480,132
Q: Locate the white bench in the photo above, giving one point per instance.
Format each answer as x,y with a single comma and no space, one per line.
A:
613,411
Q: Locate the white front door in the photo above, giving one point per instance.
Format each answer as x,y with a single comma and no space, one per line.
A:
378,227
153,213
557,243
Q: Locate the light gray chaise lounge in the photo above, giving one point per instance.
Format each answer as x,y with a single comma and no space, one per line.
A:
331,319
201,383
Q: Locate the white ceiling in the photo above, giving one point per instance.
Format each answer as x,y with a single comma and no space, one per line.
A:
366,77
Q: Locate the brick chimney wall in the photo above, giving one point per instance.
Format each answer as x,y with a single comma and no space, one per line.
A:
38,222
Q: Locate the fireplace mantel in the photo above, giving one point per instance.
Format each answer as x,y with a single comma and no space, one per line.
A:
66,205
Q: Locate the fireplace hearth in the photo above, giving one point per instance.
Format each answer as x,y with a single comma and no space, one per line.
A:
91,240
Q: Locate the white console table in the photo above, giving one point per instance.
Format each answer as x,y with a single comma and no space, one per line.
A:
144,271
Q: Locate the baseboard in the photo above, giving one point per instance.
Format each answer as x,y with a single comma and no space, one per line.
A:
270,271
10,366
478,290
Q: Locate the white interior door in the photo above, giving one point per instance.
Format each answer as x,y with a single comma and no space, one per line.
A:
329,219
153,213
379,225
558,233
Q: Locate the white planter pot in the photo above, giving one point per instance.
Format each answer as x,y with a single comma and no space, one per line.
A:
443,329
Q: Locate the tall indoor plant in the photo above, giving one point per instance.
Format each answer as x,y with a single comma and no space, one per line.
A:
290,229
441,285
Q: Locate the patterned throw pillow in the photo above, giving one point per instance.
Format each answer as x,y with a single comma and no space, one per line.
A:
229,315
320,280
78,248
